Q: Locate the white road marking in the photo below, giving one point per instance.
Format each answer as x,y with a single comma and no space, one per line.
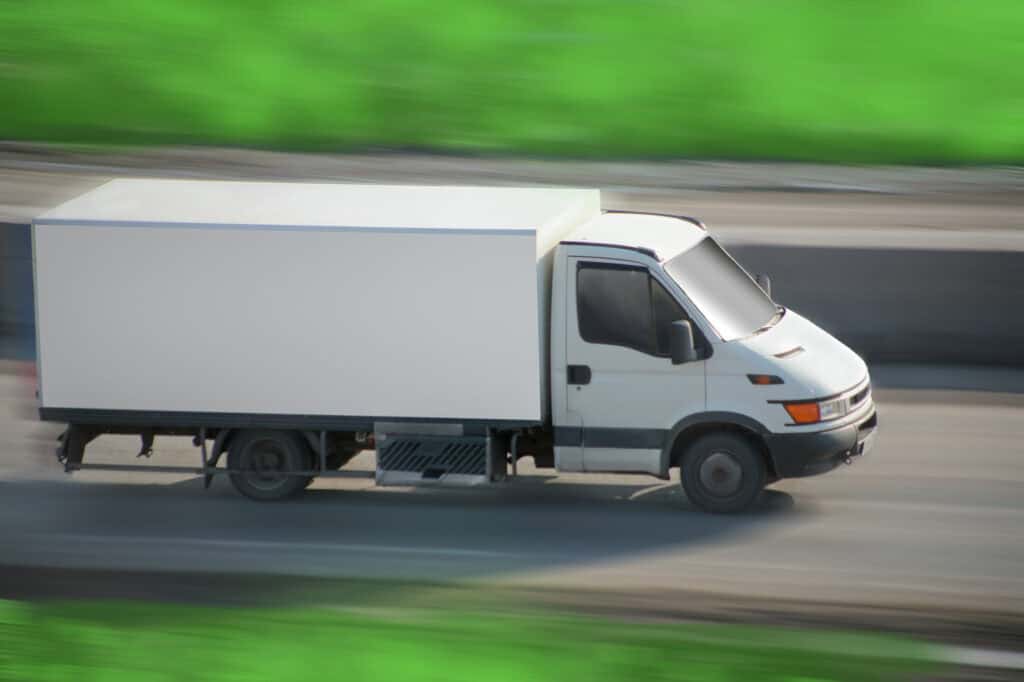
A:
868,237
982,658
650,489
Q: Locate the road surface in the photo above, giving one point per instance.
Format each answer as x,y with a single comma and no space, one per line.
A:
932,519
931,522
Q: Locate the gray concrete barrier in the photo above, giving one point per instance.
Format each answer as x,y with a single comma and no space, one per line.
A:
17,326
904,305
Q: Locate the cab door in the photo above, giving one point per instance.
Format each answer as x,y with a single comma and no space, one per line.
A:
622,386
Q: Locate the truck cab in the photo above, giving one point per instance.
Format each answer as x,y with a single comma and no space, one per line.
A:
666,353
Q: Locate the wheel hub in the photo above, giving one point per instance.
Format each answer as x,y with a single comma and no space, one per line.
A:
265,462
721,474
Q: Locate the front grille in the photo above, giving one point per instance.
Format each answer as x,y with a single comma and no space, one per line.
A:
860,396
868,424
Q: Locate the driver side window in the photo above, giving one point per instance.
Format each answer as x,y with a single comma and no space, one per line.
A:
623,305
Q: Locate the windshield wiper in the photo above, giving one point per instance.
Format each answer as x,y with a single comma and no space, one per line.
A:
779,312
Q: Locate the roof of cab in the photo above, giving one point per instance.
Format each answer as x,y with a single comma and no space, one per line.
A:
217,203
666,236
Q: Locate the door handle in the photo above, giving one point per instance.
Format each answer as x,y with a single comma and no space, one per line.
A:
579,374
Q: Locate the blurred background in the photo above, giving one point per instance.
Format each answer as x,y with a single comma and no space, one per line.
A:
865,155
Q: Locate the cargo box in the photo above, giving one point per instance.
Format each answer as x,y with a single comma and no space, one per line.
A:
198,302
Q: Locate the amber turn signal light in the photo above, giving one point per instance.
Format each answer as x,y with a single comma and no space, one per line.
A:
803,413
764,379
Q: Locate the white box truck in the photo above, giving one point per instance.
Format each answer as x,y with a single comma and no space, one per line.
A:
454,330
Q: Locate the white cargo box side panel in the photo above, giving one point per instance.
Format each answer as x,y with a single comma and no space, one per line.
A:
297,321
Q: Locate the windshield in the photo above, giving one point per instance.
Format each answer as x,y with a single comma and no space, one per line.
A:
727,296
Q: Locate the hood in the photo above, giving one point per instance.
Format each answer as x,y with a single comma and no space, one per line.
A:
823,367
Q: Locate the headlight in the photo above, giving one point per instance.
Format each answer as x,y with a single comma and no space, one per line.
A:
812,413
832,409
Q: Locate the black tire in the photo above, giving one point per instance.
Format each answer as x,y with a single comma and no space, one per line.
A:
260,457
722,473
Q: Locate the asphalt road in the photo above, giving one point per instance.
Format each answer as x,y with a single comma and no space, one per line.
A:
929,522
931,519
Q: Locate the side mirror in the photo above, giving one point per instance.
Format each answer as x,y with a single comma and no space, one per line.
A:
681,342
765,282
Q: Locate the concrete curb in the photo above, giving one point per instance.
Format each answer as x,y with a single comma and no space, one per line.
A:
650,175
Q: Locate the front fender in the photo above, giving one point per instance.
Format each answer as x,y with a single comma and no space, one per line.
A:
700,421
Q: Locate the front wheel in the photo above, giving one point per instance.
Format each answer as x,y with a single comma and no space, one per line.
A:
261,461
722,473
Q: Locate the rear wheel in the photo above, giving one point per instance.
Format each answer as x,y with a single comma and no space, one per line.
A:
261,460
722,473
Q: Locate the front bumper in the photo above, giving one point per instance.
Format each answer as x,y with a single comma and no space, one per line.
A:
808,454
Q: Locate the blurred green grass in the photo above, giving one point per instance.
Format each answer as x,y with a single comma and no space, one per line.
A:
932,81
141,642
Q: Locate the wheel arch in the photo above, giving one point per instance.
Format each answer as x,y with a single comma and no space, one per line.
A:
222,442
689,429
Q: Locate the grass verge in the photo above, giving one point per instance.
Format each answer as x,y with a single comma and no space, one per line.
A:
147,641
829,80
